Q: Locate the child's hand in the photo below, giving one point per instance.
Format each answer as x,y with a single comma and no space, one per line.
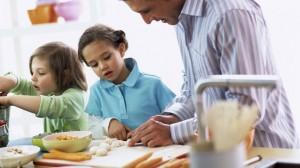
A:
4,100
7,83
117,130
3,93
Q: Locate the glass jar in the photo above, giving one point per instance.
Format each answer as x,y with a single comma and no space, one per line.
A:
4,122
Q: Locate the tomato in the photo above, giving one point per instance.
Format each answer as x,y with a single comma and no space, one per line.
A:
2,122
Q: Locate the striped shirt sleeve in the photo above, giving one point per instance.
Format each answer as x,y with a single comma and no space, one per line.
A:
183,131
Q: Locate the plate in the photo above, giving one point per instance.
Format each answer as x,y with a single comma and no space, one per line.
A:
15,156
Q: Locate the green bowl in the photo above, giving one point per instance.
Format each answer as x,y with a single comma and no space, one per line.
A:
82,141
37,140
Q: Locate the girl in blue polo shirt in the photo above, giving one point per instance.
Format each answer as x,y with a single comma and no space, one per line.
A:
123,97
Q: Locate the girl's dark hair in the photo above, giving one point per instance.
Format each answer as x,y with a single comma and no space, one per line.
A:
64,64
100,32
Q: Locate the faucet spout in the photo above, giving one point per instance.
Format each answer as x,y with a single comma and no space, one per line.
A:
227,81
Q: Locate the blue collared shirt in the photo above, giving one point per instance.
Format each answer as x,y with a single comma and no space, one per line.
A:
133,101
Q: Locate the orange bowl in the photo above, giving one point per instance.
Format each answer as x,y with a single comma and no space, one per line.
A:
42,14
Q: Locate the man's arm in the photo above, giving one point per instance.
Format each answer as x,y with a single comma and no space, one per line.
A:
183,131
182,108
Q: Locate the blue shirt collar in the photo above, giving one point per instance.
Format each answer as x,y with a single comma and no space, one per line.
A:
130,80
193,8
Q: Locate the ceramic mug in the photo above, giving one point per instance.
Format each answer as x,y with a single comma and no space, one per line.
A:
203,156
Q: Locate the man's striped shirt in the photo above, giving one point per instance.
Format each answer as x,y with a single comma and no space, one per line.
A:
230,37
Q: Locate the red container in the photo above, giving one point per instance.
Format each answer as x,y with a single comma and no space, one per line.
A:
4,119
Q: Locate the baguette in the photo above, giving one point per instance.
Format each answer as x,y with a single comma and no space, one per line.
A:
186,163
159,164
176,163
138,160
149,163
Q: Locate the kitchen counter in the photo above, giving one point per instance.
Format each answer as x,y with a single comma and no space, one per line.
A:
275,154
266,153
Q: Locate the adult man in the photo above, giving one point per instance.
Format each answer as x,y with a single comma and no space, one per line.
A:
217,37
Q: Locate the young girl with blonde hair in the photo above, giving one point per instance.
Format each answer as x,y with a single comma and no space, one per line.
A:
55,91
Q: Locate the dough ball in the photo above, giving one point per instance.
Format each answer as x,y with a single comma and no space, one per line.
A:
109,140
93,150
105,146
116,144
101,152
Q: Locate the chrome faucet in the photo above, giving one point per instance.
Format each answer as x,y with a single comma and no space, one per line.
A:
226,81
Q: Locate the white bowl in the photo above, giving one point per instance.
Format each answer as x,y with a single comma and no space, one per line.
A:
13,159
83,139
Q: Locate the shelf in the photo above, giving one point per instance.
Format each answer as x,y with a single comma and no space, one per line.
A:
95,11
44,28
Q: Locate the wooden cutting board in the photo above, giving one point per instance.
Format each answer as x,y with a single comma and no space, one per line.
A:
119,157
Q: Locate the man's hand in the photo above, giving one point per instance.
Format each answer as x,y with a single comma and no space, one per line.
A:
166,119
152,134
117,130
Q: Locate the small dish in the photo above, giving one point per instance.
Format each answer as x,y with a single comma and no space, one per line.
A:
73,141
16,156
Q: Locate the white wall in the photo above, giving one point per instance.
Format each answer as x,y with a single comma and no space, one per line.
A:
155,48
284,24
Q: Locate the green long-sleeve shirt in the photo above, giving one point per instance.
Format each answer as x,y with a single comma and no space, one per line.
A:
63,112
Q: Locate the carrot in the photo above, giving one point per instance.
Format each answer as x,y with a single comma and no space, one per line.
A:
55,154
75,153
